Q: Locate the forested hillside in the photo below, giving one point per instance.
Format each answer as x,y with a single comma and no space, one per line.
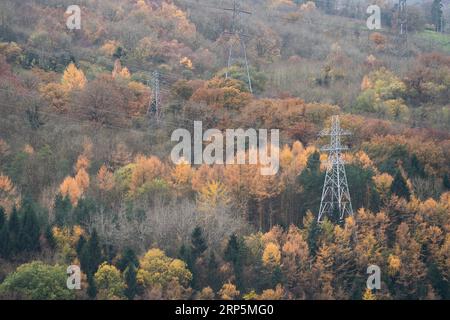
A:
86,176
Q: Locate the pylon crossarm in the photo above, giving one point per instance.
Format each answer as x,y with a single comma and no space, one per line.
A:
333,148
328,133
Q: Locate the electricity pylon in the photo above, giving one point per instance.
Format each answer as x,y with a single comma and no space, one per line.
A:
154,110
236,32
336,203
403,21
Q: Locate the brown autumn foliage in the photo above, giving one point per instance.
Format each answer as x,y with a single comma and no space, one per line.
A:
220,93
105,179
146,171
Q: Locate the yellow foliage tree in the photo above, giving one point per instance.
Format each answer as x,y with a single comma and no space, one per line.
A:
383,183
368,295
82,163
394,263
28,149
158,269
271,256
69,188
206,294
363,160
82,180
221,93
229,292
145,171
323,270
366,83
66,240
73,78
296,263
297,148
271,294
109,283
212,196
109,47
187,63
205,175
105,179
181,176
140,96
286,157
74,187
56,96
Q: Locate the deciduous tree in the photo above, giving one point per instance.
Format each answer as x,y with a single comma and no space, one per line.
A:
109,283
37,281
73,78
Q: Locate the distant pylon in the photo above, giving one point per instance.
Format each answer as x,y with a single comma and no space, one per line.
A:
336,203
236,32
403,20
154,110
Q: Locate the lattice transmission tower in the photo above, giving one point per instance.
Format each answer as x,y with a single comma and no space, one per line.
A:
336,203
237,34
155,109
403,21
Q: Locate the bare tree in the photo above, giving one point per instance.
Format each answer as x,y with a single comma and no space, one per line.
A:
165,225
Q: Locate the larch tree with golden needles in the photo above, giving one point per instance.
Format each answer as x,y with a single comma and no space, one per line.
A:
229,292
181,177
105,179
296,264
75,187
56,96
73,78
272,255
410,277
83,180
70,188
344,264
213,196
145,172
323,274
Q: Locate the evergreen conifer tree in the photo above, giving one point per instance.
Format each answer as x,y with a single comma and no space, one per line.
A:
400,187
128,258
130,279
2,217
62,209
14,230
213,274
5,243
233,255
198,245
29,231
49,237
